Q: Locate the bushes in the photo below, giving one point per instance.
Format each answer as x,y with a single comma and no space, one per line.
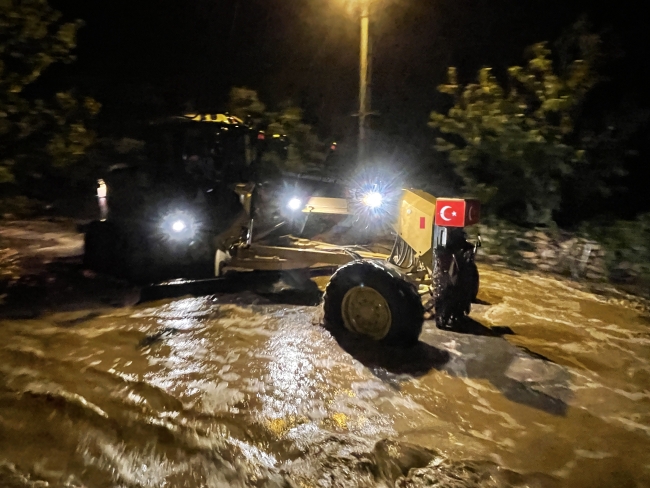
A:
40,139
513,144
17,207
627,248
617,251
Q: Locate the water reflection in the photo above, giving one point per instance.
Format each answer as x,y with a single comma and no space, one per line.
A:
311,390
238,392
519,375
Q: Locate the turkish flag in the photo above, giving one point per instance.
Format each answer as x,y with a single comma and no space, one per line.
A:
450,212
472,212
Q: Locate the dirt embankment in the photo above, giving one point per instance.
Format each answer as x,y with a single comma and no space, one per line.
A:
565,254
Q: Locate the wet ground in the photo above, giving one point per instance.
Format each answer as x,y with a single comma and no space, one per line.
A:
548,385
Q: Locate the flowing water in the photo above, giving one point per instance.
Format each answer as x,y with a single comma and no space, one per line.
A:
547,386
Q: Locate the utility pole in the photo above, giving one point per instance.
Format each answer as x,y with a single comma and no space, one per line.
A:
364,108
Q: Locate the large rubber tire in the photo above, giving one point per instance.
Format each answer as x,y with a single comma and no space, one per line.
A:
473,280
101,247
402,298
108,251
139,264
454,301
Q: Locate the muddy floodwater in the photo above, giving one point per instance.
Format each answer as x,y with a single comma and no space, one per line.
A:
547,386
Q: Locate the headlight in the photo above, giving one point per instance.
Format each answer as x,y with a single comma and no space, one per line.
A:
295,204
372,199
179,226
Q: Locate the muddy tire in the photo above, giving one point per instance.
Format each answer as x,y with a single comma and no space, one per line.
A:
473,280
108,251
454,298
101,247
372,300
139,266
448,313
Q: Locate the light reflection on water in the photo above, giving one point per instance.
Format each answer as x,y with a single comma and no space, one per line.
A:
549,379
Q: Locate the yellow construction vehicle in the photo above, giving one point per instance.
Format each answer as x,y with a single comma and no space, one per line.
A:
376,294
207,201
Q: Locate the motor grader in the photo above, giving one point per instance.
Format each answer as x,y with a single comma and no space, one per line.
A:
372,292
244,223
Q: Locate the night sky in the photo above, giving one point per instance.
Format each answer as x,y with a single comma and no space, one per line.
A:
139,56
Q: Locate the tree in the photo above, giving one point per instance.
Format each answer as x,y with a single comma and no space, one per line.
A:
514,145
301,149
245,104
304,150
37,136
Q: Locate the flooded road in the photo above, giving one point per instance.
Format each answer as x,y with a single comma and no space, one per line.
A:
547,386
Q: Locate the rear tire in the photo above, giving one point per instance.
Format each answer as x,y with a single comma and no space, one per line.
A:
101,243
456,292
108,251
370,299
139,266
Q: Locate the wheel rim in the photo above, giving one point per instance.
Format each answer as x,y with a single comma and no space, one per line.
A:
366,312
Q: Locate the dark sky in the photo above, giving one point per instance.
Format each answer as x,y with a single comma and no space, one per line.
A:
307,49
138,54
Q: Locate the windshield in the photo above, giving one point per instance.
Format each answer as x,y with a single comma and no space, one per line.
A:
214,154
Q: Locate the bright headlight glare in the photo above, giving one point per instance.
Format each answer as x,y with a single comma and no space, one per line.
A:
179,226
372,199
295,204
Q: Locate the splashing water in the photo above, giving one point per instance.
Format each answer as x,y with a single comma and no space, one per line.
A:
547,386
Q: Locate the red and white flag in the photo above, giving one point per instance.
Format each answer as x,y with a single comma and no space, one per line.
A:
450,212
472,212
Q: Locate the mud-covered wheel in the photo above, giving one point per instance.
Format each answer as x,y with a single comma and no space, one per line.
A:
367,298
101,242
448,313
106,250
473,280
456,293
139,265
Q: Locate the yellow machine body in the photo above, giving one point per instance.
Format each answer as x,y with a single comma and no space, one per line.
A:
325,205
417,210
218,118
414,224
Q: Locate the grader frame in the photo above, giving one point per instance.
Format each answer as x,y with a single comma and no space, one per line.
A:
415,227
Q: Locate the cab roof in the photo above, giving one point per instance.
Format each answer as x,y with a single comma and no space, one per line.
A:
202,118
218,118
